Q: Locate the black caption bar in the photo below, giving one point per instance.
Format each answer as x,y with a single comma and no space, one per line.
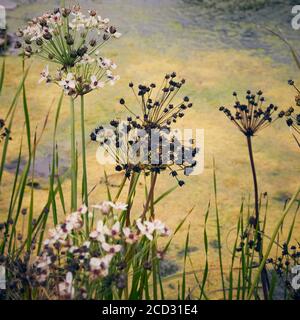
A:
94,310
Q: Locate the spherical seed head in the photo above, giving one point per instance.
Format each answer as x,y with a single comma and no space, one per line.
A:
130,85
291,82
69,41
18,45
39,42
47,36
93,136
180,183
93,42
112,29
73,54
122,101
105,36
289,122
118,168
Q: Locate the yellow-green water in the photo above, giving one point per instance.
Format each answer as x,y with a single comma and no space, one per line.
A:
216,54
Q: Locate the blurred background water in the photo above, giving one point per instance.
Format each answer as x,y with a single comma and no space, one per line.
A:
219,47
202,24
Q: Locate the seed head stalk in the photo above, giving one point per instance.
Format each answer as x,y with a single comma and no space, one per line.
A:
255,184
250,118
264,276
84,166
73,157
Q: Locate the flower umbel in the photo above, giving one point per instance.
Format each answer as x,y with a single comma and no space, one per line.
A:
72,40
146,142
292,116
252,116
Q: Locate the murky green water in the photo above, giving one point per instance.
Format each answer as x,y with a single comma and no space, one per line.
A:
219,47
188,24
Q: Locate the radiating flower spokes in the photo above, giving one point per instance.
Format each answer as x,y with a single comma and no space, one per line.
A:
251,117
72,40
146,142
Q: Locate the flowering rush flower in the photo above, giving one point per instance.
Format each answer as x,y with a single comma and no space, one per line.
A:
147,228
146,142
68,249
106,206
72,40
131,237
292,116
252,116
99,267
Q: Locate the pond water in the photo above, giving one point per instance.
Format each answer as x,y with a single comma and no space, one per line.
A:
188,24
219,47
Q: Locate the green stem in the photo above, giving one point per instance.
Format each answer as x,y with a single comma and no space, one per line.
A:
84,167
264,274
150,196
73,159
272,241
155,268
249,142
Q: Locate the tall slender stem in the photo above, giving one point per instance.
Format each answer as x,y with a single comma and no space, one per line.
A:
264,274
73,159
155,269
84,168
249,141
130,193
150,196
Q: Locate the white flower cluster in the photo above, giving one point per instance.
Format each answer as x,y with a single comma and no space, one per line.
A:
51,24
80,82
108,239
72,40
90,74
